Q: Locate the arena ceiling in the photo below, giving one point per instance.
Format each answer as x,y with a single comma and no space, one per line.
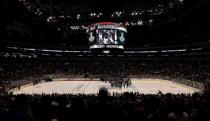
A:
149,22
77,14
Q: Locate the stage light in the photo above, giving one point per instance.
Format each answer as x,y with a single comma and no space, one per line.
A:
78,16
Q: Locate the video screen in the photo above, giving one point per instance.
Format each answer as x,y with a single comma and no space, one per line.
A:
106,36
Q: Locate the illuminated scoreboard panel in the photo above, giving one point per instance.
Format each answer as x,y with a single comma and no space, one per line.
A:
106,35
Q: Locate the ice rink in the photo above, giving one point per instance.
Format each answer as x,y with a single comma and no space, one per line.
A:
146,86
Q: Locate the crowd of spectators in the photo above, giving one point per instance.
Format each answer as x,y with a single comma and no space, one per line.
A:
126,106
34,70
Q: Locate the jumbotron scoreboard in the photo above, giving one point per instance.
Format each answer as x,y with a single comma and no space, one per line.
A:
106,35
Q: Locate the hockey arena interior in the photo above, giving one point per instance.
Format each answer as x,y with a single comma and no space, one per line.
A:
146,60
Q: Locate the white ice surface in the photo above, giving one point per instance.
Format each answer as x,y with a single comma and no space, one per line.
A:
146,86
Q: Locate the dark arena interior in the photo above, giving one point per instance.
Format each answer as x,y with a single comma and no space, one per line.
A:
145,60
